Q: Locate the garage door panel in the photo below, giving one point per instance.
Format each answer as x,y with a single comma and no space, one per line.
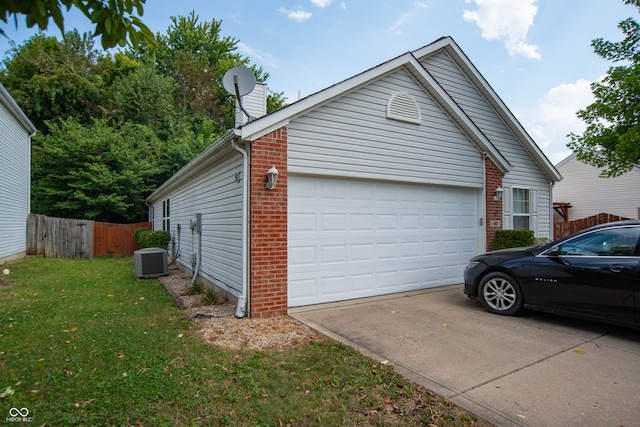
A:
362,252
351,239
362,222
300,222
303,256
410,250
361,282
333,222
334,286
410,277
334,255
303,290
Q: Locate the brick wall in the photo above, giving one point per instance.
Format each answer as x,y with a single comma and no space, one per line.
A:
493,179
268,230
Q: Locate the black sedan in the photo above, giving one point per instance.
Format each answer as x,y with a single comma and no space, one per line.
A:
593,274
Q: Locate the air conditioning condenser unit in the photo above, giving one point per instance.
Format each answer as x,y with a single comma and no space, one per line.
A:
150,263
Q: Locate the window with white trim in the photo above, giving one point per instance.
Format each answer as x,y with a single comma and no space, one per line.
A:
166,215
521,209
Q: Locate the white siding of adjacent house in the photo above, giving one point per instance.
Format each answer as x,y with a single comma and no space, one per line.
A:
524,171
352,137
14,190
215,192
590,195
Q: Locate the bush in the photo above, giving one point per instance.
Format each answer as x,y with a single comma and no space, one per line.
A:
504,239
209,297
146,238
137,236
195,288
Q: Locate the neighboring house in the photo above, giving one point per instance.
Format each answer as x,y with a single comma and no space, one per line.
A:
589,194
15,175
387,183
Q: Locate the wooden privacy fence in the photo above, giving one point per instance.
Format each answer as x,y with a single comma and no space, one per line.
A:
561,229
77,238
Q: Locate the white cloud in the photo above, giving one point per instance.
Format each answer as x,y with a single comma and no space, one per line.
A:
263,57
507,20
396,27
555,117
321,3
297,15
343,5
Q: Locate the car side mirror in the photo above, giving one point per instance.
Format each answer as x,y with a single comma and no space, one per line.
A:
554,252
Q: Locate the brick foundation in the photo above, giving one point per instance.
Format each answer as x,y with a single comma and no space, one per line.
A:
493,180
268,230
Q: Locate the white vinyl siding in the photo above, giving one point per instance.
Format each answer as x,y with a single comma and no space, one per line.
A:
15,188
217,195
524,170
590,195
352,137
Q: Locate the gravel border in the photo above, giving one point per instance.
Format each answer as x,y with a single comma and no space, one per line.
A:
217,324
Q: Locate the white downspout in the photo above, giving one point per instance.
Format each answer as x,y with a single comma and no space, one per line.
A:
483,203
196,226
552,226
243,300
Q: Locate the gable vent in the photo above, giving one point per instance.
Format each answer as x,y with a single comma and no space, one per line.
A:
403,107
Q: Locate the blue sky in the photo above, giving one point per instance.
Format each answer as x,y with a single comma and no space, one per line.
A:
536,54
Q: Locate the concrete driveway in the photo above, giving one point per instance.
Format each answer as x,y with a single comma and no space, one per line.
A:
533,370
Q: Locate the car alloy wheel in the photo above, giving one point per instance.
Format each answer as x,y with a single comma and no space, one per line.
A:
500,294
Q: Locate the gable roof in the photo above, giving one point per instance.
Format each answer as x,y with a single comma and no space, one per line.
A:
481,84
411,63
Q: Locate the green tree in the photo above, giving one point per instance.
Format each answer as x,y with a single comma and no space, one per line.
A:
113,127
196,56
115,21
96,171
53,80
611,140
144,97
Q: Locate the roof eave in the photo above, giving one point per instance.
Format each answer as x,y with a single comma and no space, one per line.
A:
459,116
15,110
262,126
196,164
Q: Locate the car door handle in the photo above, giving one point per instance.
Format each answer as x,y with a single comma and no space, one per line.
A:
619,268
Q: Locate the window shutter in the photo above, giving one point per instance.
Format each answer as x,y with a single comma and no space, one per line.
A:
533,203
506,208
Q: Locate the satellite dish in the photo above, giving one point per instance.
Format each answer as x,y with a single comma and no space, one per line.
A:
239,81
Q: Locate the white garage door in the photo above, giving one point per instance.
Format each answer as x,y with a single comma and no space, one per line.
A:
351,239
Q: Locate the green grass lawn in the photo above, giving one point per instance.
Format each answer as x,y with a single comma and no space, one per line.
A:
82,342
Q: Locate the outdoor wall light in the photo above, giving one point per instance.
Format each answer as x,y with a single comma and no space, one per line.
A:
498,195
272,177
